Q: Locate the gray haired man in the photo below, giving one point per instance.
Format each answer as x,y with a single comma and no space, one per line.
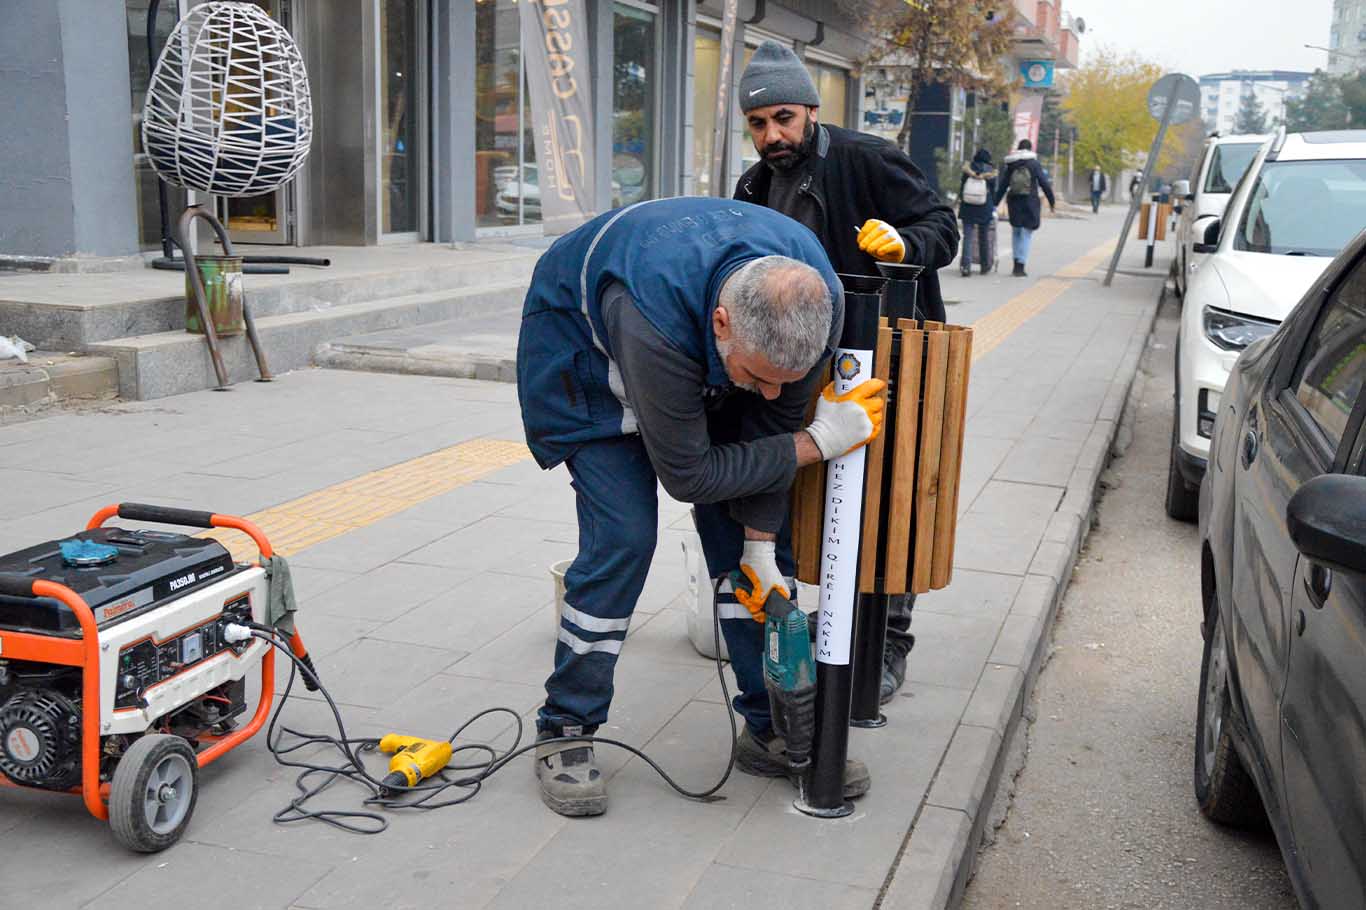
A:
677,342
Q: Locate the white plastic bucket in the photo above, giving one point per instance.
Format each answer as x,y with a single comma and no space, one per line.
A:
701,625
557,571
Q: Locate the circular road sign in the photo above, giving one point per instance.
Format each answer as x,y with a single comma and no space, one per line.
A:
1178,86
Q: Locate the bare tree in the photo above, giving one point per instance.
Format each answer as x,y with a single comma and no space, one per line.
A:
962,43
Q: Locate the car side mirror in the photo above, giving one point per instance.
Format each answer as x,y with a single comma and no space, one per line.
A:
1209,240
1189,197
1326,519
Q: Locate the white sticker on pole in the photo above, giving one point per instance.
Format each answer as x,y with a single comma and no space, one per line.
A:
843,522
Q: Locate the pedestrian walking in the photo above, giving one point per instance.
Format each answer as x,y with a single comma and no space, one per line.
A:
1098,187
976,190
678,342
864,199
1134,186
1020,184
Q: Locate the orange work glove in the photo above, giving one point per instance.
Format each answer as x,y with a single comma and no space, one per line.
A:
881,241
760,565
845,422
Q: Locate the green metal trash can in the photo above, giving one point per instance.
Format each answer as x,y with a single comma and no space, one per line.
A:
222,277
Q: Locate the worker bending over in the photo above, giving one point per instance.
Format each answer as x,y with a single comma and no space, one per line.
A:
678,342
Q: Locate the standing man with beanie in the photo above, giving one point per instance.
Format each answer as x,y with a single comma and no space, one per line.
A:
866,202
1019,186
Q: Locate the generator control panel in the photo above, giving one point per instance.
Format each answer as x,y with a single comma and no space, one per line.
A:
147,662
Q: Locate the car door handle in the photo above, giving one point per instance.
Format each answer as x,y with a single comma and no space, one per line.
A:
1250,446
1318,584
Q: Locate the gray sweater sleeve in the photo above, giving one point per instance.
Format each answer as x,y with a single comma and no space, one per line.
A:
665,387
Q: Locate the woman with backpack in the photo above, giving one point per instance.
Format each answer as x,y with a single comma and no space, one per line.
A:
1024,177
976,190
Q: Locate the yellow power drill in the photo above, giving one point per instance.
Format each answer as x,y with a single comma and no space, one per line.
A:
415,759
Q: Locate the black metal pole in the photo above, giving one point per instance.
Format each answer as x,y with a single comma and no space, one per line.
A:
899,301
822,789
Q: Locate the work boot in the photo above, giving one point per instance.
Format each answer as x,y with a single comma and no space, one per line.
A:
1019,270
765,755
571,783
894,665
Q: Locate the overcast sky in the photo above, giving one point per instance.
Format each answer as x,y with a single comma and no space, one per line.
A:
1210,36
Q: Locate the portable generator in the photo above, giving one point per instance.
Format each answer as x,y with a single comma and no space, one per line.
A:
124,657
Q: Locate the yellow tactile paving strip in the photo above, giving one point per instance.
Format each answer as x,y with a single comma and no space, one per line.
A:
364,500
996,326
336,510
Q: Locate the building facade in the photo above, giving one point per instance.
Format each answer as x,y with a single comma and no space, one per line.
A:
1221,94
1347,37
421,120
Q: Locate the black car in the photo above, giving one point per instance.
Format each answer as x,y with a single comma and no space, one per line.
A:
1281,725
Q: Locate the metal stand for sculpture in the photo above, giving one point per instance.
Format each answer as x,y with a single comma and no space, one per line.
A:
227,113
196,282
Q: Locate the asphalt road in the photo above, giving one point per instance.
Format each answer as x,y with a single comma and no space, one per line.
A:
1102,814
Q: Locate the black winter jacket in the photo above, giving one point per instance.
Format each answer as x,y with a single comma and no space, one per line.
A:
854,177
1025,210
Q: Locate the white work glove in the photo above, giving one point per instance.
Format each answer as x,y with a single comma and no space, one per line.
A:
760,566
848,421
881,241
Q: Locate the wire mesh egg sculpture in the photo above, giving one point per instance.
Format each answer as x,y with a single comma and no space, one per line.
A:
228,110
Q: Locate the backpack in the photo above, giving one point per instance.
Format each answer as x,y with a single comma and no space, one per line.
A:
1021,181
975,191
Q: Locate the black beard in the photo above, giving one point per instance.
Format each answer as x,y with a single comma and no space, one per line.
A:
800,152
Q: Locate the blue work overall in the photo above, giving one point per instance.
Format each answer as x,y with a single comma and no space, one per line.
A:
673,255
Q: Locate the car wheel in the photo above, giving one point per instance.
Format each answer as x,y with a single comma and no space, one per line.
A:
1223,788
1183,503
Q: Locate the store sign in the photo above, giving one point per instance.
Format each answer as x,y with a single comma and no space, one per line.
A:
559,77
1037,73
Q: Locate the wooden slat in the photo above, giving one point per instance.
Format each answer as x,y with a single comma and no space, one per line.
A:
870,540
951,458
932,326
808,511
962,427
927,477
900,513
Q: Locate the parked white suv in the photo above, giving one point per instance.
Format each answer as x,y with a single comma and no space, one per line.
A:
1225,160
1303,198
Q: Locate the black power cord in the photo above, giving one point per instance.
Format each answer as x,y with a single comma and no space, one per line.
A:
426,795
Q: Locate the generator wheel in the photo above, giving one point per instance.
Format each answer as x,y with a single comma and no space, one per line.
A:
155,786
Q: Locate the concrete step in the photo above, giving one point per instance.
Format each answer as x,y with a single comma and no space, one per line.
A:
159,364
50,378
73,312
481,348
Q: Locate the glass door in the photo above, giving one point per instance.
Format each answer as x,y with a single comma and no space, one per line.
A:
267,218
402,161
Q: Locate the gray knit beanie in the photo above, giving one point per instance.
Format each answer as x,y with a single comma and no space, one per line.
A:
776,76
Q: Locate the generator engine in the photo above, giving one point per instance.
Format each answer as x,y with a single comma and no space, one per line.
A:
40,725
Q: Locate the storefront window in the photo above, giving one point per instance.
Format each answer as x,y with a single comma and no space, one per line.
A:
706,68
633,106
400,160
833,85
139,73
507,184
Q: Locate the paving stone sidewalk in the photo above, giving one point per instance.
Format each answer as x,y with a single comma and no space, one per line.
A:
422,619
